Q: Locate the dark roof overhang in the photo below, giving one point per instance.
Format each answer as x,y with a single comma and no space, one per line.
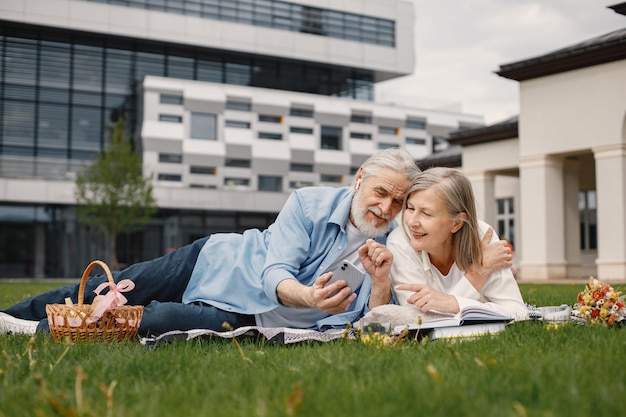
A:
508,129
599,50
618,8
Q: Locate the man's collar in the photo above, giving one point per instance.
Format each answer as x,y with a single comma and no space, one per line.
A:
341,214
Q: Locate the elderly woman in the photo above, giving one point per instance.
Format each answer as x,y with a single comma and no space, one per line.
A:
437,256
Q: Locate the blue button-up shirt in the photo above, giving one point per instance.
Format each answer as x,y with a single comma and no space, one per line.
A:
240,272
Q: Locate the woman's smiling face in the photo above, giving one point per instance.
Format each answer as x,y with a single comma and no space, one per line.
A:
427,221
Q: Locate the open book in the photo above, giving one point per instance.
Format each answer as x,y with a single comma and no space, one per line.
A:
467,316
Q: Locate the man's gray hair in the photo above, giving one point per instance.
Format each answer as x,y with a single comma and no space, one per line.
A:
397,159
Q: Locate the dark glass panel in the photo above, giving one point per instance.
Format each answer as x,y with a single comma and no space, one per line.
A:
331,137
180,67
20,61
18,124
238,73
593,230
52,129
17,248
270,183
210,10
54,61
176,6
210,70
86,128
90,99
194,8
88,63
18,150
149,64
114,100
19,92
83,155
265,73
52,152
118,70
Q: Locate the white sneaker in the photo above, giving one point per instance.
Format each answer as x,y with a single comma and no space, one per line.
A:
13,325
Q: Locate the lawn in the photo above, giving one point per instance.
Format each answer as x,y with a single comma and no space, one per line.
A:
532,369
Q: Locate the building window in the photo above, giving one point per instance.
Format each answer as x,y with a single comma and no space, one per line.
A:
331,178
385,145
505,218
300,184
203,126
302,130
170,177
270,183
301,167
237,124
415,124
588,220
415,141
384,130
202,170
170,118
281,15
361,118
357,135
204,186
171,158
237,163
270,119
238,105
170,99
269,135
236,182
331,137
440,143
301,112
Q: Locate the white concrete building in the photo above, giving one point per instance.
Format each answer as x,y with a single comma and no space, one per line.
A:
564,161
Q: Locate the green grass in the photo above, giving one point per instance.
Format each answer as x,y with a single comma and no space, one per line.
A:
531,369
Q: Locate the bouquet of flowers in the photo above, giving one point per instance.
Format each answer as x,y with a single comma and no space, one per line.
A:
600,303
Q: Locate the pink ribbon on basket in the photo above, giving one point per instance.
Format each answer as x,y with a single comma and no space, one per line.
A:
113,299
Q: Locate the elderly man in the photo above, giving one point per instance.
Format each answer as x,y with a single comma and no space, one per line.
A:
271,278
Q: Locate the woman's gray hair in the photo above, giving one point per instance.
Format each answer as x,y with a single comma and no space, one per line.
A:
397,159
456,193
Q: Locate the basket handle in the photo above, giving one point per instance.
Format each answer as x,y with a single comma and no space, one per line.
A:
83,280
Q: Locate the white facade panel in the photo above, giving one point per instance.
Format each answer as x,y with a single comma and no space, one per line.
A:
590,105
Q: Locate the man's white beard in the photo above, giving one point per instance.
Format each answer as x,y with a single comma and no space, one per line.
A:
358,215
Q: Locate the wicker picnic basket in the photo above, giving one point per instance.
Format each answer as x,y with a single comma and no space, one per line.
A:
76,321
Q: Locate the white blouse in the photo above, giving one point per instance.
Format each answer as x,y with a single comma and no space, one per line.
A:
500,293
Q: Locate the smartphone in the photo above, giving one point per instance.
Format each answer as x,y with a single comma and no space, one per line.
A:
349,273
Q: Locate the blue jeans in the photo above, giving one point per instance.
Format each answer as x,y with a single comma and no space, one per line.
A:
159,286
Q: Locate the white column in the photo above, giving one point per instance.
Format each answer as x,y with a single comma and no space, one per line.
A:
572,219
483,184
611,210
542,218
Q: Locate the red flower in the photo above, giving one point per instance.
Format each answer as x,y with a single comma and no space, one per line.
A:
597,295
595,313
